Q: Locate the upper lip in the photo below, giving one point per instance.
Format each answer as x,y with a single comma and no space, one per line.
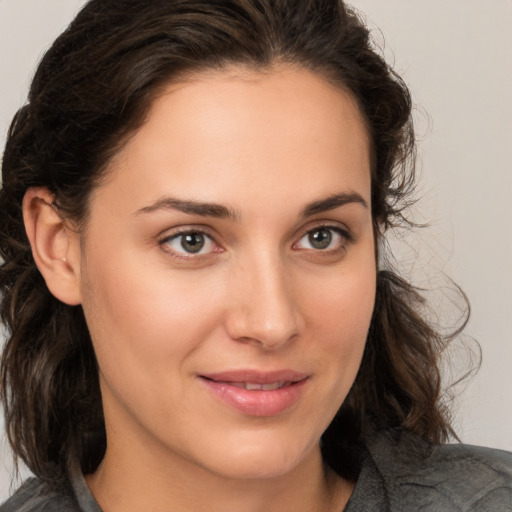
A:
256,376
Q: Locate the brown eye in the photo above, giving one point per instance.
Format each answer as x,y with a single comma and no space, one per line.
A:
320,238
190,242
323,238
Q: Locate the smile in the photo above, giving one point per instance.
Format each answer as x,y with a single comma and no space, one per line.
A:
255,393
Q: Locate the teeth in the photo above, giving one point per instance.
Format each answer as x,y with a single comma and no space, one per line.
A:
263,387
252,386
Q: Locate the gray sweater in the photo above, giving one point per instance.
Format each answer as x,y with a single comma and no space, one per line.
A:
399,473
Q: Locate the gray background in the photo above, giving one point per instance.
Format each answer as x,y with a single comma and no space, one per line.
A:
455,55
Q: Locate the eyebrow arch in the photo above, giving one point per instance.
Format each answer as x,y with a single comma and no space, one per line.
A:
332,202
222,212
191,207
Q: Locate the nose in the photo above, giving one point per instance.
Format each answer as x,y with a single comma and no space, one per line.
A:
264,307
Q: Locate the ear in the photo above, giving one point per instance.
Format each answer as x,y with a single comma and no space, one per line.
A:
55,247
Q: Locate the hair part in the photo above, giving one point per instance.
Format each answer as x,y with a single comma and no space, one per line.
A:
91,91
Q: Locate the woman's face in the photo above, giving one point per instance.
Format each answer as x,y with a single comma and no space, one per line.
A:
228,272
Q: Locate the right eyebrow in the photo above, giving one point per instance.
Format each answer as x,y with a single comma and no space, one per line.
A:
332,202
191,207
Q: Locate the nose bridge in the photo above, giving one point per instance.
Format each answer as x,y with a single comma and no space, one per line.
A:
265,309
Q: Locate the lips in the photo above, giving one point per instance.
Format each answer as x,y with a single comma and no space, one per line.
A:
257,393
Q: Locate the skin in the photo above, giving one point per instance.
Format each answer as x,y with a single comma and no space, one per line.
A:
258,295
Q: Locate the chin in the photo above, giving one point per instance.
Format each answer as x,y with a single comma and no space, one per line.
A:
262,460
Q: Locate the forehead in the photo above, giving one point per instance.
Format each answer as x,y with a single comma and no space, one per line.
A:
282,130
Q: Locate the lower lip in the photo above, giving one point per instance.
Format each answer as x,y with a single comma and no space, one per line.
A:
257,402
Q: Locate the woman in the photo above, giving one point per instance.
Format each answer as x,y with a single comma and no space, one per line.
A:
200,316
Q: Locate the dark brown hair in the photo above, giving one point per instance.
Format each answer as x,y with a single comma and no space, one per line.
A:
91,90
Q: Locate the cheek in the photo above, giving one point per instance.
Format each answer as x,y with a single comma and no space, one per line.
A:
141,317
343,304
340,313
146,335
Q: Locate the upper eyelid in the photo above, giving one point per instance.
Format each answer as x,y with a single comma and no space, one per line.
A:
169,234
343,233
337,226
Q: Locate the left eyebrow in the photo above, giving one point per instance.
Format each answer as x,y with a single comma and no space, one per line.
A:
191,208
332,202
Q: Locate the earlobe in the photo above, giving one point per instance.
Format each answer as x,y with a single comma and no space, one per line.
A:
55,247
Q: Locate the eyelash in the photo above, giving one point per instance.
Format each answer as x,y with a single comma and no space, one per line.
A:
165,243
345,236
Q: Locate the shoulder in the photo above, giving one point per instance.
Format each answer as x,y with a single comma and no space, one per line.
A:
36,495
447,477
